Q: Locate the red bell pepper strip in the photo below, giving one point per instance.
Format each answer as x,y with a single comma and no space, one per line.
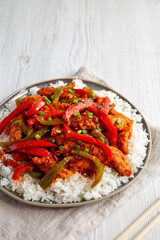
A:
76,108
19,156
14,113
35,107
54,113
86,138
41,152
106,103
22,168
104,118
81,92
12,163
111,139
30,144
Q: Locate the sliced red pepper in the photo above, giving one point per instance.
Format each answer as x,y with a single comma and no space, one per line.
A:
106,103
19,156
32,121
35,107
54,113
111,139
104,118
81,92
41,152
76,108
12,163
14,113
30,143
21,169
86,138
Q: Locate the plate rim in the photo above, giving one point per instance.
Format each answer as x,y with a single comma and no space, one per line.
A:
85,202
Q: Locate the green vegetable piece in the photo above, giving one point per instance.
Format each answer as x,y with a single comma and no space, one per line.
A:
34,103
85,149
58,131
61,147
46,122
102,139
63,101
24,161
84,131
18,121
90,115
47,100
52,97
77,148
51,174
53,140
36,175
49,119
41,113
77,113
99,107
79,131
37,136
75,100
118,121
57,94
71,91
98,127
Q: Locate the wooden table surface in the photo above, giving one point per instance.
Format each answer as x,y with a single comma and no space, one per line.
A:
119,39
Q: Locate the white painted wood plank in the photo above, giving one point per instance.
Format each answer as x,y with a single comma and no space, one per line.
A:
119,39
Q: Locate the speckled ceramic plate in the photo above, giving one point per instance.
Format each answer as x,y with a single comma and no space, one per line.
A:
22,92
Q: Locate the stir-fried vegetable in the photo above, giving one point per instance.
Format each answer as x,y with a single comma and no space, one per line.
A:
47,122
14,113
52,174
37,151
29,144
97,134
35,107
21,169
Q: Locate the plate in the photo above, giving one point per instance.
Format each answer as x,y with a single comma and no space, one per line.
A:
22,92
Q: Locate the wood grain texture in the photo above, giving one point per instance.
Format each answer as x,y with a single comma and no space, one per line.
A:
120,39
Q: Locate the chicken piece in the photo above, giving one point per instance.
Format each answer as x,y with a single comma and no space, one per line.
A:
31,99
124,129
64,173
62,106
83,166
120,163
46,163
13,130
47,91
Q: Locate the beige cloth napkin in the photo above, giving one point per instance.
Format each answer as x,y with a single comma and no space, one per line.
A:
19,221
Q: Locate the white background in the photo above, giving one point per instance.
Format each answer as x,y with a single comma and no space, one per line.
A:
119,39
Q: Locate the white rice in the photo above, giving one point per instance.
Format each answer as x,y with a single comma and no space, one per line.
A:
77,187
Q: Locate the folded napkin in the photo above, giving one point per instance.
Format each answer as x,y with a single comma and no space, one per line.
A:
19,221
